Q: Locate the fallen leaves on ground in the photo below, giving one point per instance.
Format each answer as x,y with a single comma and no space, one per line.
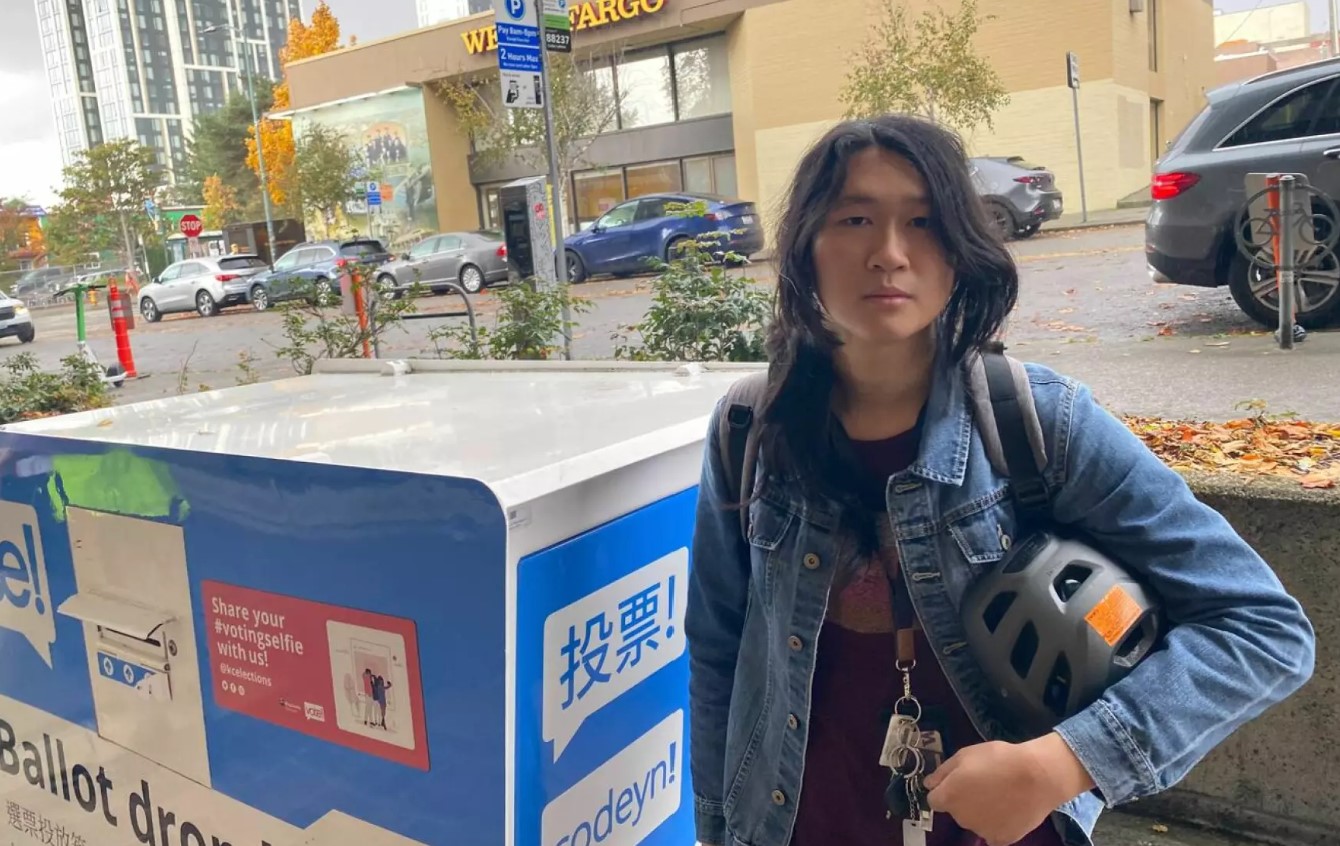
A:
1258,445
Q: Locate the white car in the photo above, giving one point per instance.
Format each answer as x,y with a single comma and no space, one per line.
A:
203,285
15,321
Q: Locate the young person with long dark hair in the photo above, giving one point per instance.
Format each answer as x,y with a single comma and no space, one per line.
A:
872,483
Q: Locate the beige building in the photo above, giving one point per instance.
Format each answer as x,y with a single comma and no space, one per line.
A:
767,76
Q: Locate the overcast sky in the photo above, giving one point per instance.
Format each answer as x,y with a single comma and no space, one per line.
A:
29,155
30,158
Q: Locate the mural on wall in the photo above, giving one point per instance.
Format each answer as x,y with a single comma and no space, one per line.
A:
390,134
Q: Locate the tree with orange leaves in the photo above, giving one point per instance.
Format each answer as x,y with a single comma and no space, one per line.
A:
322,35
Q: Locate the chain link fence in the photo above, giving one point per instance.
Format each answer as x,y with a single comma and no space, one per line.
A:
37,288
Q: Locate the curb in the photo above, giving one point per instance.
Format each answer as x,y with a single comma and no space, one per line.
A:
1093,224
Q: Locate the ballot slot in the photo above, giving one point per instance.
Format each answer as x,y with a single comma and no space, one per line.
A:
131,643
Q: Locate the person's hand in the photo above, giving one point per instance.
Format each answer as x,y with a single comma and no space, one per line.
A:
1002,791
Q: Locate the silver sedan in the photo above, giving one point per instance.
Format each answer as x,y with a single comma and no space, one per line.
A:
473,260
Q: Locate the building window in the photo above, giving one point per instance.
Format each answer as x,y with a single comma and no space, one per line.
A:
646,95
596,192
656,178
711,175
702,78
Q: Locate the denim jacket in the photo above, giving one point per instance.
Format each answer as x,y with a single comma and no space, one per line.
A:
1237,643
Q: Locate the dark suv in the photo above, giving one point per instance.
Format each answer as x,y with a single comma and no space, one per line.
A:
314,267
1283,122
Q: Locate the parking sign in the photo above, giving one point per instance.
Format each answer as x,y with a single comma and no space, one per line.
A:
519,65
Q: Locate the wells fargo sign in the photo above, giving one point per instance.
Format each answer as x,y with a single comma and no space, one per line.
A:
588,15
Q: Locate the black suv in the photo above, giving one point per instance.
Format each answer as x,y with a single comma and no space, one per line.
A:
1282,122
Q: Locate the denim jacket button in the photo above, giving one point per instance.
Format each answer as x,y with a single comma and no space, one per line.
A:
811,561
778,797
791,722
794,643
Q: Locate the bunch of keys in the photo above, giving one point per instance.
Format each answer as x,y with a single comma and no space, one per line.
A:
912,754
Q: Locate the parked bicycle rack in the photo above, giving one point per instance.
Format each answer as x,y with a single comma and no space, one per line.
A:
469,312
1286,226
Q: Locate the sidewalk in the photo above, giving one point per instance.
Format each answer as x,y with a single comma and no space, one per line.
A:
1117,828
1104,217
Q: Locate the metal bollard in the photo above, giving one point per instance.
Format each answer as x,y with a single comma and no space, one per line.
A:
1285,260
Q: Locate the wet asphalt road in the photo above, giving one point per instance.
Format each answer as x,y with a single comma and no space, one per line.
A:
1087,307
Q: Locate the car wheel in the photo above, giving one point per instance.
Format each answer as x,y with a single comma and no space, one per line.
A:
325,292
205,305
471,279
1254,290
1001,220
675,249
386,288
576,269
149,311
27,335
260,298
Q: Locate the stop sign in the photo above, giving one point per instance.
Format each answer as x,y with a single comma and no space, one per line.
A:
191,226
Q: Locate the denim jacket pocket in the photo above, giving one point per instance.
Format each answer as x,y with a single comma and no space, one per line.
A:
984,536
768,525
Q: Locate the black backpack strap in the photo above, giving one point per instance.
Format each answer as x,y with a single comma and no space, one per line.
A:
737,439
1013,432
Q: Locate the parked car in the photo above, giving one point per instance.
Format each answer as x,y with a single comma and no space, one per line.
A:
1019,196
625,237
203,285
15,321
313,268
473,260
1283,122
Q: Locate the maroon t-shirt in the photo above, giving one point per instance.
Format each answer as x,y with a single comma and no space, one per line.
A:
854,688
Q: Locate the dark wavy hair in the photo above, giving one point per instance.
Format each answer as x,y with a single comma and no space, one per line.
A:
796,408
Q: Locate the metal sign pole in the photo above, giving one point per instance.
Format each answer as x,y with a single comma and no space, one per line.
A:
1072,79
556,189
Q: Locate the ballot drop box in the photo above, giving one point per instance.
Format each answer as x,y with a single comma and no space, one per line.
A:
387,603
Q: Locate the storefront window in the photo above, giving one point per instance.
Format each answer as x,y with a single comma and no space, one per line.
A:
711,175
702,77
492,211
723,176
645,97
597,192
654,178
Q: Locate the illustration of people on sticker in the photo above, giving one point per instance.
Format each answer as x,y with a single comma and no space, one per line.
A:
379,687
940,597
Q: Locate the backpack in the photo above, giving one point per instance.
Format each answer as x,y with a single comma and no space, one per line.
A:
1002,403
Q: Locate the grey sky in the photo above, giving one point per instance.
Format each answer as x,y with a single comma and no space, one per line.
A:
29,155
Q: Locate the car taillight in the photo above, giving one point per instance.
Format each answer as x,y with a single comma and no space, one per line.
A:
227,277
1030,180
714,216
1165,186
342,263
502,251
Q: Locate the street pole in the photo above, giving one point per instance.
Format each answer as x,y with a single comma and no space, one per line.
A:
1286,279
1079,152
1335,28
560,222
260,149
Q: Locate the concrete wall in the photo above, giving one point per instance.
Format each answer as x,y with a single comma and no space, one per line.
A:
1277,777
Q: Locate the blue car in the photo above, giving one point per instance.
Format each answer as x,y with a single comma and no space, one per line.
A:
625,237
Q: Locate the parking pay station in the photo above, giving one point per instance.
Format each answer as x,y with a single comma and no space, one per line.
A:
528,229
389,603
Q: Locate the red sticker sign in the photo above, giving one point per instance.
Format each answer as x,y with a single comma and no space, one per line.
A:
340,674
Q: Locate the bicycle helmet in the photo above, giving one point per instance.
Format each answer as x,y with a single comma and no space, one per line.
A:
1054,625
